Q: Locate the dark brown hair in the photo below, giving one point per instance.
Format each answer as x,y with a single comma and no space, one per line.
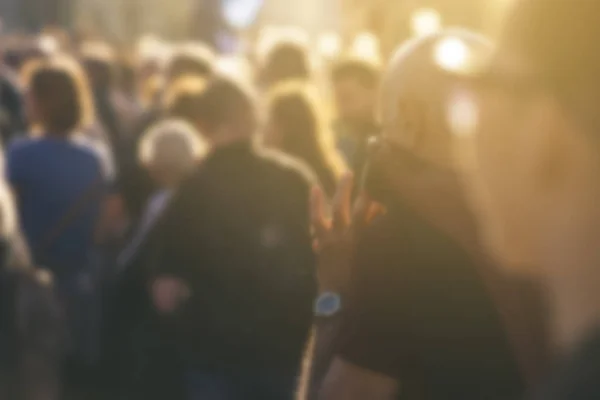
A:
197,60
286,61
224,101
61,93
295,110
182,98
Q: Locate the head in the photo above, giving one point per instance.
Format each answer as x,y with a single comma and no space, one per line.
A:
182,98
296,127
171,150
356,86
196,60
100,65
58,97
416,137
532,160
226,112
287,60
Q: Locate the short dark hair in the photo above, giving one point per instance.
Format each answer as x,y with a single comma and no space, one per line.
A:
286,61
60,89
222,102
191,60
365,72
183,98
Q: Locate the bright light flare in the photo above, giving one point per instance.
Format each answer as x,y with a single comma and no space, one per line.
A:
452,54
329,45
366,45
240,14
48,44
426,21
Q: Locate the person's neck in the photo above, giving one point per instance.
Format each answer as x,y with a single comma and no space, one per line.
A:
573,283
219,141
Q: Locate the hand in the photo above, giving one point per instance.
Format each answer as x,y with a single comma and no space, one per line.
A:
335,236
168,293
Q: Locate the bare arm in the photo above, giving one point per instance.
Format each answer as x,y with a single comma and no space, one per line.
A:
345,381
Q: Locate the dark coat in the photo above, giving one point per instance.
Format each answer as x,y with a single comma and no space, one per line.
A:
238,233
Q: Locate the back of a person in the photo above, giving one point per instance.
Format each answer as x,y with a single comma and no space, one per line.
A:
50,175
446,338
250,310
236,243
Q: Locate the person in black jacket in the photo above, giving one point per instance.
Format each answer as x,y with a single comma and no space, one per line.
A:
236,269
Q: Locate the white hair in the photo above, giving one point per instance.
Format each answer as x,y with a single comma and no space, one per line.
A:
193,146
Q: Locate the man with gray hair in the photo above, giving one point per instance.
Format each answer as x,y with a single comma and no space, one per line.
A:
170,151
422,313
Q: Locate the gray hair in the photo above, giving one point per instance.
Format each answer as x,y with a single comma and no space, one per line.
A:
190,145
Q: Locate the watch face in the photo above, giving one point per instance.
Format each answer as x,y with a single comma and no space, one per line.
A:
240,14
328,304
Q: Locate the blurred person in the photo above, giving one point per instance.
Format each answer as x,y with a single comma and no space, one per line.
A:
31,324
187,61
236,269
170,150
296,128
60,188
181,100
423,313
125,96
287,60
99,63
356,87
12,116
532,166
192,59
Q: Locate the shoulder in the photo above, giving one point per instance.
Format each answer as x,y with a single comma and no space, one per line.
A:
288,169
100,153
22,144
21,150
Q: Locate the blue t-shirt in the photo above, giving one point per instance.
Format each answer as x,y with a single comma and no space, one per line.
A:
49,176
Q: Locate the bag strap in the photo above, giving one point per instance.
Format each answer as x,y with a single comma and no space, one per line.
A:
81,203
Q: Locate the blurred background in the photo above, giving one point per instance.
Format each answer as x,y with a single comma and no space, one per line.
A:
228,24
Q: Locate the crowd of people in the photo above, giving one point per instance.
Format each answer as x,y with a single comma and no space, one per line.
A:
183,224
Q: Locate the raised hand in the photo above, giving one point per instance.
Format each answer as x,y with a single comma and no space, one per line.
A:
335,235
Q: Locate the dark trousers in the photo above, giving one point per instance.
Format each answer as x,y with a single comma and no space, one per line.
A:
250,386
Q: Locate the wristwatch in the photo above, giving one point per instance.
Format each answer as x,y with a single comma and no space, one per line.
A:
328,304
